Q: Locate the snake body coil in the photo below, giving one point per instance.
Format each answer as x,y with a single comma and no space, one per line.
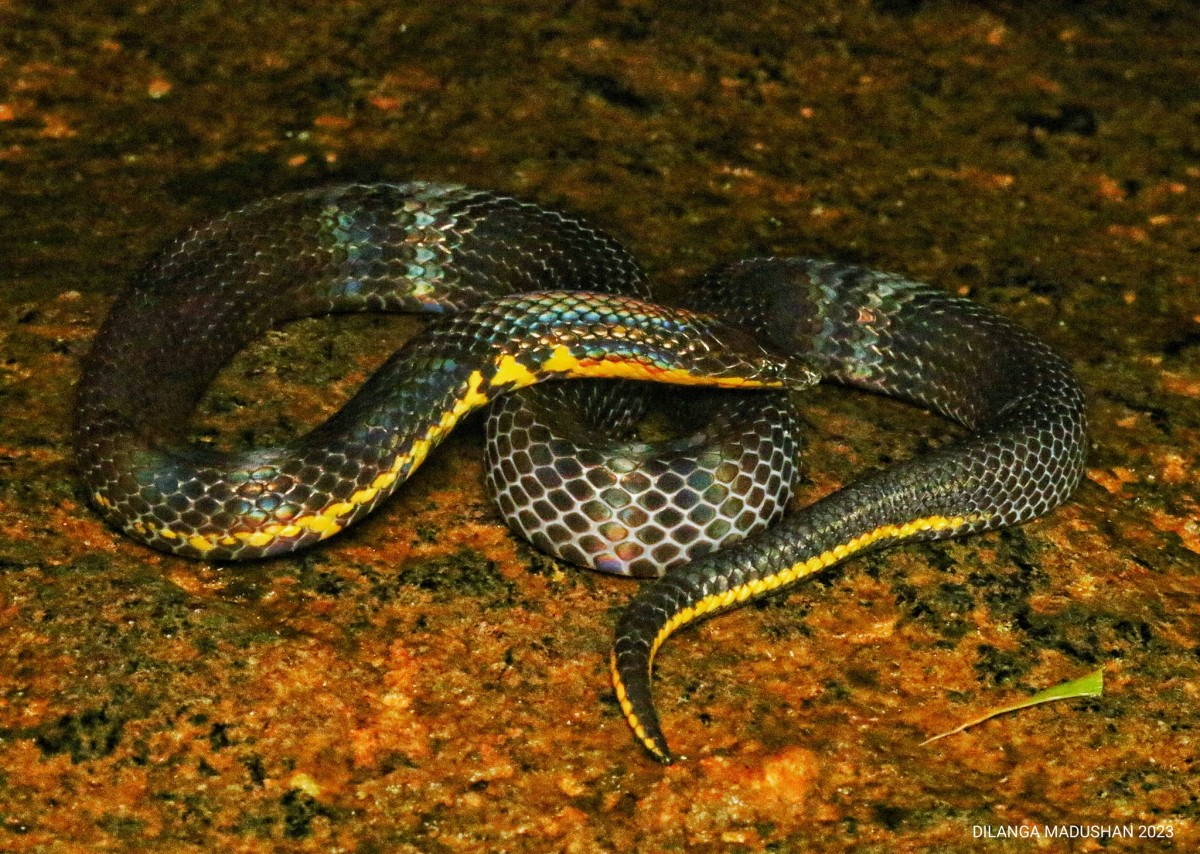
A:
530,295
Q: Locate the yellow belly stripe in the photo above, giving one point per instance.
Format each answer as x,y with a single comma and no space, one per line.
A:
719,601
632,370
627,709
333,518
508,373
201,544
511,372
561,360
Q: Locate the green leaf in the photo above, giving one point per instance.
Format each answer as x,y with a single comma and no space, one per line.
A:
1091,685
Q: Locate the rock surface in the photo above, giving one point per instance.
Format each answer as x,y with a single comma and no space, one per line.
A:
426,682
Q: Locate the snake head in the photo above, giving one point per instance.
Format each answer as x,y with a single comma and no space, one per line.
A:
798,374
735,354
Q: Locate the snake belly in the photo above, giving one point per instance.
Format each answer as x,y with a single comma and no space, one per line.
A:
1023,455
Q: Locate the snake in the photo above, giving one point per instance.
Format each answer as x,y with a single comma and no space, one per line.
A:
522,294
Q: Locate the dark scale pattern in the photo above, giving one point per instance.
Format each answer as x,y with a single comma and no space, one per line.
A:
538,297
880,332
580,488
357,248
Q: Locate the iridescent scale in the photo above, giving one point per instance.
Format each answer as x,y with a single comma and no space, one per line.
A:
528,295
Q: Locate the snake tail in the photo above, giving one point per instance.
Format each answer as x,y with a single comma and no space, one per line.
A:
1022,455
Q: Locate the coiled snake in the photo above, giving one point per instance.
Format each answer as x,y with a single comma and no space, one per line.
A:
527,295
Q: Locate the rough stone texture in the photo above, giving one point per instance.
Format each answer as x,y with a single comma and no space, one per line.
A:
426,682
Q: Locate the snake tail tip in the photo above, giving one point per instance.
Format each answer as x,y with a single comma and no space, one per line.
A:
656,745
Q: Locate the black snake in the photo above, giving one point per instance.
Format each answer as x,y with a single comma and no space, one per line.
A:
528,294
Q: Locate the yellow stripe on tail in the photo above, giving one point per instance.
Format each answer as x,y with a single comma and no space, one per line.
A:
782,578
